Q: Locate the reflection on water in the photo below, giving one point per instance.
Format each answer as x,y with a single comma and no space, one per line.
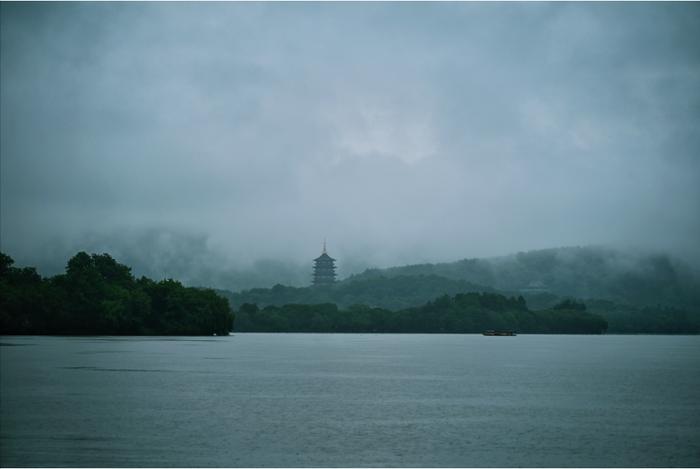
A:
350,400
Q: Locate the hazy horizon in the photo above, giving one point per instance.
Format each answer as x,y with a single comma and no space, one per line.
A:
239,135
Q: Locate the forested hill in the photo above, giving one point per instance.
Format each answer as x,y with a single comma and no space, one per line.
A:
543,277
635,293
98,295
396,292
463,313
628,277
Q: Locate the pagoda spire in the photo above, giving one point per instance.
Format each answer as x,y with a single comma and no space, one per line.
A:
324,246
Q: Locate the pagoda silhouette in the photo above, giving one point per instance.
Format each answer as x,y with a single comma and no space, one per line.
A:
324,268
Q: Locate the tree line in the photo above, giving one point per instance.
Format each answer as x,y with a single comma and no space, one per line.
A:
98,295
404,292
392,293
462,313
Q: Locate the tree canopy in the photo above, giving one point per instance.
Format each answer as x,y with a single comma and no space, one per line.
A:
98,295
462,313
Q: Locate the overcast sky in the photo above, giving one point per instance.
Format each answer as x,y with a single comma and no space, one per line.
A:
402,133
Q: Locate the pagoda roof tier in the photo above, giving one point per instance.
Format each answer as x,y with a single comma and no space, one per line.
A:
324,257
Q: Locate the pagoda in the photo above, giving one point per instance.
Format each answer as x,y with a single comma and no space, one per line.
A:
324,268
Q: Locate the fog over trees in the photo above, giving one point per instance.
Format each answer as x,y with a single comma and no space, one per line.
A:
98,295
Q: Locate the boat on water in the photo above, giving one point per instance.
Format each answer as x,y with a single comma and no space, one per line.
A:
493,332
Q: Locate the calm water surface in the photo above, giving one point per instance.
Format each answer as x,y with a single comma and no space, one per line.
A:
350,400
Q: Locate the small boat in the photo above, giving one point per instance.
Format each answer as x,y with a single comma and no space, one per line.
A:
492,332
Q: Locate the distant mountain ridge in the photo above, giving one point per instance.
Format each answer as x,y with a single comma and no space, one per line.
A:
541,276
633,277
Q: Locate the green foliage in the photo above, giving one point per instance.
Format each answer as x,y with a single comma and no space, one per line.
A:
97,295
629,277
625,318
382,290
462,313
570,305
378,291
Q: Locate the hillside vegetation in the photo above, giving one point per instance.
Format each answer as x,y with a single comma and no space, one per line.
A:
377,291
463,313
637,278
634,292
97,295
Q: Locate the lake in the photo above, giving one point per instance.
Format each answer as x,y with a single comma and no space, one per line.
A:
350,400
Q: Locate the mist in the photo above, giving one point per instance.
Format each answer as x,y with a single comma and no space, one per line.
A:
212,142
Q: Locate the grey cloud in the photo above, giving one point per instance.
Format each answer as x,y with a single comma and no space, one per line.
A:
402,132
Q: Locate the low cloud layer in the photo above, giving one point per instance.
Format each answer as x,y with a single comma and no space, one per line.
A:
401,132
